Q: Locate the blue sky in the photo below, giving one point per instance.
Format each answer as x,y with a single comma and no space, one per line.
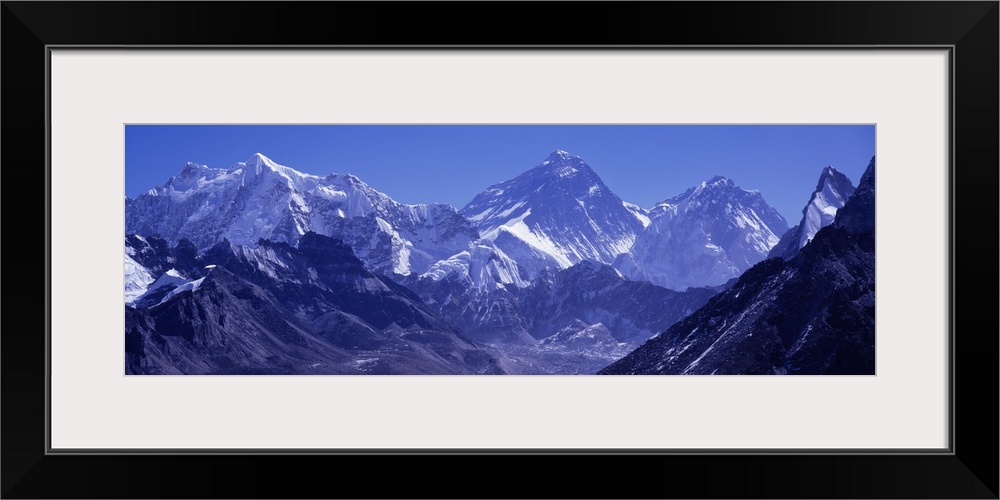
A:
643,164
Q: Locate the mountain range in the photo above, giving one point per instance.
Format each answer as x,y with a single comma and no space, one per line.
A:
811,314
259,268
274,308
259,198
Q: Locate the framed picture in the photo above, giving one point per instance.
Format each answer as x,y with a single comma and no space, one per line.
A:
921,77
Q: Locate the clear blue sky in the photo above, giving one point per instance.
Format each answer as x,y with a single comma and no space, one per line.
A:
643,164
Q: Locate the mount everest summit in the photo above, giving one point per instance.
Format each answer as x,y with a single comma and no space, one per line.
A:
557,214
548,272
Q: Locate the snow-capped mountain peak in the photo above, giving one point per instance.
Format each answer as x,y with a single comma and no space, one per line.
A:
258,164
560,155
813,314
192,168
554,215
563,164
704,236
713,188
832,191
260,198
719,180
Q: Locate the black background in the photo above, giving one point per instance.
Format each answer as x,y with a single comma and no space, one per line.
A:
971,472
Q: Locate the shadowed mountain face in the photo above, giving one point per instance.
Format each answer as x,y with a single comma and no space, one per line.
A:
315,308
573,321
157,256
583,295
590,293
226,326
813,314
321,275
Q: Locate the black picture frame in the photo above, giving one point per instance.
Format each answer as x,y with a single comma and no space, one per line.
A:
970,29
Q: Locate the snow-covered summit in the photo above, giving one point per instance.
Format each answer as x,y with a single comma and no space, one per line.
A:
560,156
563,164
718,180
704,236
813,314
260,198
258,164
831,194
554,215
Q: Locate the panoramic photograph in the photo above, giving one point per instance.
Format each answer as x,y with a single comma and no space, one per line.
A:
499,250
